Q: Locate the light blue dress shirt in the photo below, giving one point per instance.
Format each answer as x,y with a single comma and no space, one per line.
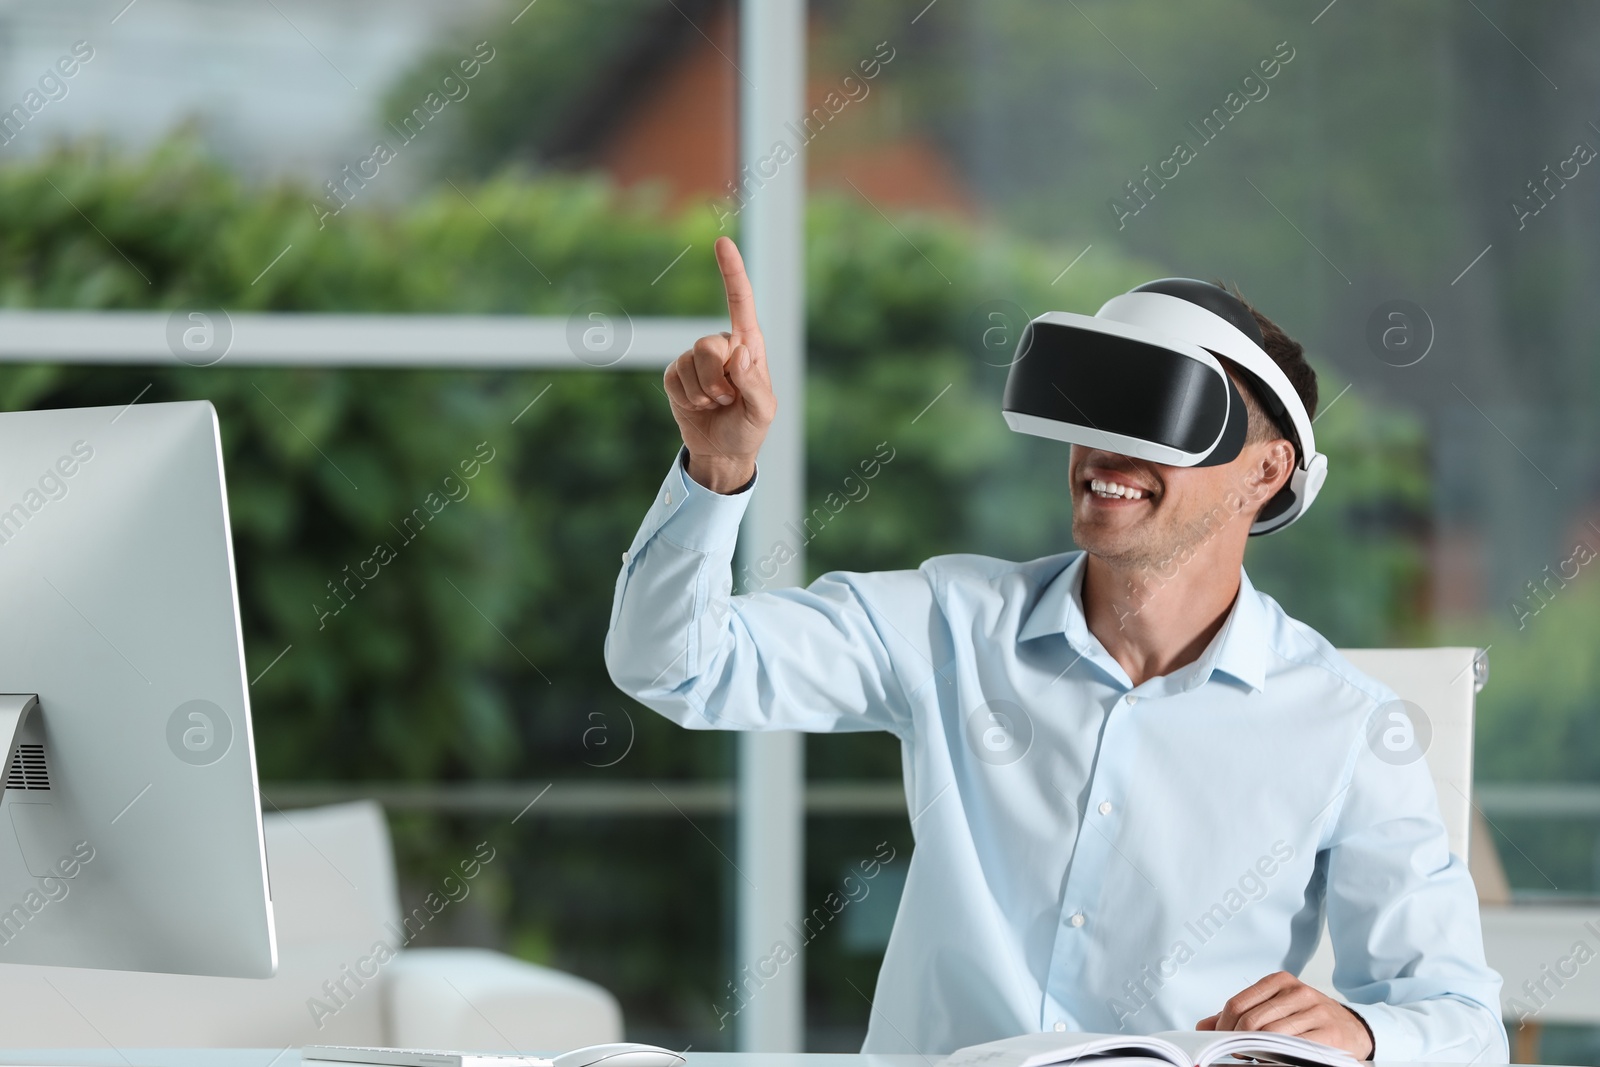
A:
1090,854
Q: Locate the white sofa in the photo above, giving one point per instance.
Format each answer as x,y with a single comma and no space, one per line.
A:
334,896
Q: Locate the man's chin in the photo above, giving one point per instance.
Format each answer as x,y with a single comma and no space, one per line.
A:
1122,543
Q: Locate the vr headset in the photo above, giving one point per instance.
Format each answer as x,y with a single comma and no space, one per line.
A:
1141,378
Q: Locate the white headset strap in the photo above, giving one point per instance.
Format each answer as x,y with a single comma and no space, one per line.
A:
1183,321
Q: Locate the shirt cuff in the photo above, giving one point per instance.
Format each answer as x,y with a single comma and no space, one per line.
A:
697,518
695,487
1395,1034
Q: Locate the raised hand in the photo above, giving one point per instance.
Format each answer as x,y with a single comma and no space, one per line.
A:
720,391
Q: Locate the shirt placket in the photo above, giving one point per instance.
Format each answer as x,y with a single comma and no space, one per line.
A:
1079,926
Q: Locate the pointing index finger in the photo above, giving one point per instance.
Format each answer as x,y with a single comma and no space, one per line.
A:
736,283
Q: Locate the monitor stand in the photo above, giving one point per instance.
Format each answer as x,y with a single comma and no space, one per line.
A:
14,711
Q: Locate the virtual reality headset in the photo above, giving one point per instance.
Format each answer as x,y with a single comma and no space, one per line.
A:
1141,378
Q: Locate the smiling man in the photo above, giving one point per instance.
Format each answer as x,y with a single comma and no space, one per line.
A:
1137,786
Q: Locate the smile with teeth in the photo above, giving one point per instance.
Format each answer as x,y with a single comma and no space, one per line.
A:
1111,490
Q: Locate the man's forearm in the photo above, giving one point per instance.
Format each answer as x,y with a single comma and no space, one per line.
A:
1447,1029
662,634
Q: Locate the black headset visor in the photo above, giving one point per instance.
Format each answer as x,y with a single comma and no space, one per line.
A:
1099,384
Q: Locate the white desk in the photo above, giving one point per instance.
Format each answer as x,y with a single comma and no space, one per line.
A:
266,1057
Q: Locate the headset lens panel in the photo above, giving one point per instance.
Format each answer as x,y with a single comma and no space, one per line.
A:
1113,384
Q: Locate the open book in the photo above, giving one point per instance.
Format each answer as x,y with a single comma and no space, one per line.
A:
1180,1048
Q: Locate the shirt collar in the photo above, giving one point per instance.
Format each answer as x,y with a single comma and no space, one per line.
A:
1239,648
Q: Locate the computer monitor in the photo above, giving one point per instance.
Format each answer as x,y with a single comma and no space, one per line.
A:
130,822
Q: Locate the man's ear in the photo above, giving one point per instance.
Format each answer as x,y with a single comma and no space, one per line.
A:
1271,470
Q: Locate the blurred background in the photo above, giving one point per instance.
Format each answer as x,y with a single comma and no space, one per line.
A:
1413,193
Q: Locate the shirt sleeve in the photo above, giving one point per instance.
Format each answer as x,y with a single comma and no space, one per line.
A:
820,659
1403,916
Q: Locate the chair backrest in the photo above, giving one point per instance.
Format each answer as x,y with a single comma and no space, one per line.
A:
1443,683
332,878
331,871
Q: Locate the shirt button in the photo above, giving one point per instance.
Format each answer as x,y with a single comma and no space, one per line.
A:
624,557
666,498
1132,700
1105,807
1060,1026
1077,920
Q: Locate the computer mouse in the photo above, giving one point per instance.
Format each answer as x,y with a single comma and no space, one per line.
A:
620,1054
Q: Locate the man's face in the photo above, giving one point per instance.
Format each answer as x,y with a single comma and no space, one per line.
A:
1134,513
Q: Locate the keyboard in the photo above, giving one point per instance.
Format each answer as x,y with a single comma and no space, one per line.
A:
419,1057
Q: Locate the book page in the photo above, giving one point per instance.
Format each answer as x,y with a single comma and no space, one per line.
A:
1205,1047
1050,1049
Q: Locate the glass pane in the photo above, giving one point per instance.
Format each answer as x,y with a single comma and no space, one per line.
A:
426,558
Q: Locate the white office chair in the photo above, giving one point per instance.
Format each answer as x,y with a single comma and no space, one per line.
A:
1521,942
334,895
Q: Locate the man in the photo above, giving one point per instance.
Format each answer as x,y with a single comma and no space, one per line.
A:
1136,786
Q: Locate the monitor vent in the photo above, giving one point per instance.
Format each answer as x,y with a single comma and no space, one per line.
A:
28,769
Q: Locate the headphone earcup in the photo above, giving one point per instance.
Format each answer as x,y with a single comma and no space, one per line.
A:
1297,496
1316,473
